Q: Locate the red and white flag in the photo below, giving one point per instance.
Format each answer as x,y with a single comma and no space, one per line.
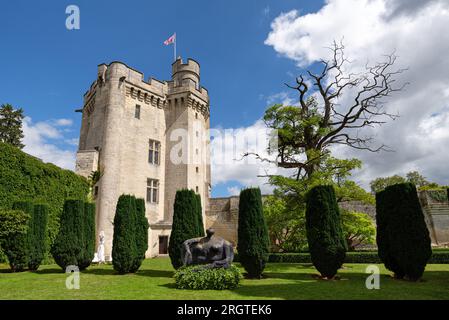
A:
170,40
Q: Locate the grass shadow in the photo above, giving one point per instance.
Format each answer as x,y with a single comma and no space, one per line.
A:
49,271
169,286
155,273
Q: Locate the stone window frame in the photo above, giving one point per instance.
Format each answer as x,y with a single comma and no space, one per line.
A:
137,111
154,152
152,194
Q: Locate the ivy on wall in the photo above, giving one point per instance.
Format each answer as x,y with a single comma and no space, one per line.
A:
24,177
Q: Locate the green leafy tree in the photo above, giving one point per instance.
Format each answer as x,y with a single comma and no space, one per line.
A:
185,224
402,236
380,184
327,244
413,177
11,125
69,246
286,225
141,233
417,179
253,242
358,228
14,225
37,236
88,235
124,244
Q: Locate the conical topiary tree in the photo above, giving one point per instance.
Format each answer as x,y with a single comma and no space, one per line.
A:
327,244
253,241
37,236
124,247
142,226
199,215
185,224
68,247
88,235
403,240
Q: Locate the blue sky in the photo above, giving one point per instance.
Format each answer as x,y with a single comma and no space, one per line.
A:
47,68
247,51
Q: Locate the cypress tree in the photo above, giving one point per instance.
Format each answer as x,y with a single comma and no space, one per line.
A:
68,247
88,235
199,215
124,248
185,224
253,240
37,236
403,240
325,237
142,226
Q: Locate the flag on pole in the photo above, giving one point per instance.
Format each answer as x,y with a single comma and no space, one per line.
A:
170,40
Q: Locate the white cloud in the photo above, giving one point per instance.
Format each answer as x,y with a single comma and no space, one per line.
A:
417,32
40,139
234,191
63,122
228,164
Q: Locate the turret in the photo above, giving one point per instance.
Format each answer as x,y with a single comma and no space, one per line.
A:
186,74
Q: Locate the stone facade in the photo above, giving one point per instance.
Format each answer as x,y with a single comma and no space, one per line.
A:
128,123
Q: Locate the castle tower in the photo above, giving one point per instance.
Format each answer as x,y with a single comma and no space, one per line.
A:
128,132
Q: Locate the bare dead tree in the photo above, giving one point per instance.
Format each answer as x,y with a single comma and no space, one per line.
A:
334,105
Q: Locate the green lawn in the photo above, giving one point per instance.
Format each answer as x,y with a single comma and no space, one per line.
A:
283,281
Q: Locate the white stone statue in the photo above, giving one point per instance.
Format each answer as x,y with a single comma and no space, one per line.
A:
99,255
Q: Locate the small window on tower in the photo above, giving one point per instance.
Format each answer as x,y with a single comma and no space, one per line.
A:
196,115
137,112
152,190
154,152
197,170
197,189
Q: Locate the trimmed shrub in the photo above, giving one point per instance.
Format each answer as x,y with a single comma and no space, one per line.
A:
124,247
327,244
200,224
14,226
141,233
372,257
402,236
25,177
200,278
88,235
68,247
185,224
37,236
253,242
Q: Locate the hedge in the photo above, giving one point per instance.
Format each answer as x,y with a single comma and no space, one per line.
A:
439,256
14,226
24,177
200,278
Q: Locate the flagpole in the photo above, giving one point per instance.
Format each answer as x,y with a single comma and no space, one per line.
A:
175,47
